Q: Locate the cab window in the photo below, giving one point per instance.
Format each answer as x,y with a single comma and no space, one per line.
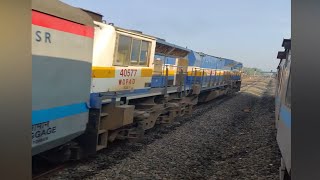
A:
135,51
132,51
144,53
123,53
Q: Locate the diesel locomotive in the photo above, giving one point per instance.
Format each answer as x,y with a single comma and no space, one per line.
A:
94,82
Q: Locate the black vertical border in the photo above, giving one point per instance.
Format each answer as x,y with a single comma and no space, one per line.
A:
305,89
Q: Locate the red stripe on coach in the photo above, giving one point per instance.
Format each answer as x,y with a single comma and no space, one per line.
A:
52,22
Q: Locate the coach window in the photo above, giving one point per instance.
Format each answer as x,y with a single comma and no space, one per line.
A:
123,53
144,53
288,94
280,81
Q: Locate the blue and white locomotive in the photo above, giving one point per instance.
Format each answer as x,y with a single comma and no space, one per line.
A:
94,82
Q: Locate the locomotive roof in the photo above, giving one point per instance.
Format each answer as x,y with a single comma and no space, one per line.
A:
281,55
134,32
286,44
168,49
62,10
94,15
228,62
161,41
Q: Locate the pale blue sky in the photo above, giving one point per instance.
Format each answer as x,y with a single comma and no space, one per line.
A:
249,31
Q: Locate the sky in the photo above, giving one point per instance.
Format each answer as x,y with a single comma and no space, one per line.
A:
249,31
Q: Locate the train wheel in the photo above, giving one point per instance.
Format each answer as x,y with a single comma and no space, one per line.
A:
60,155
136,135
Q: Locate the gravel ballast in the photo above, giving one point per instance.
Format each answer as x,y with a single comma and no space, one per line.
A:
228,138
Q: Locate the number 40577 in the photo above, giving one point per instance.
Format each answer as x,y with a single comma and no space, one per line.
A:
128,72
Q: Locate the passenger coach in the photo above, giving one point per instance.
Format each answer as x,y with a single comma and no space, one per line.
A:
283,109
62,45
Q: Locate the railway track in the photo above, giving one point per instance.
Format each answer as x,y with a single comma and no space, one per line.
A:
217,141
198,109
47,172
